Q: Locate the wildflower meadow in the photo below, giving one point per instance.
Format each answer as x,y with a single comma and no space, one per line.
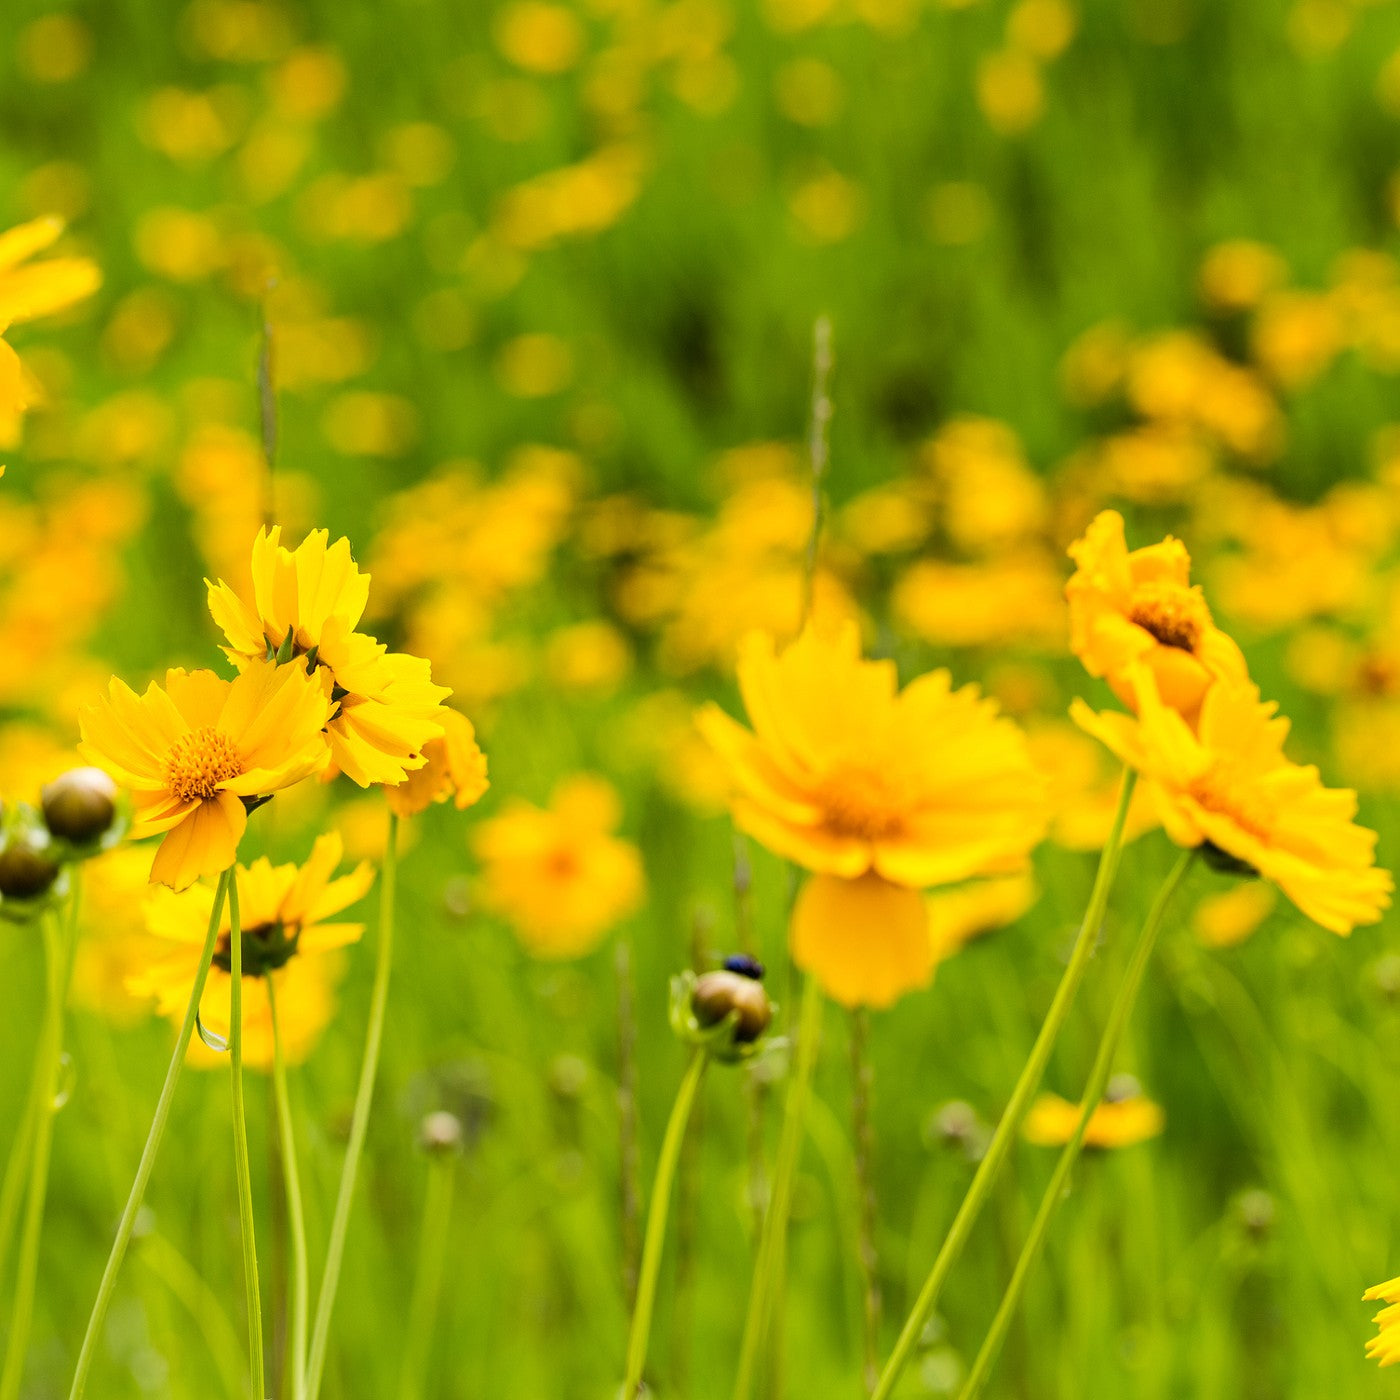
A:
699,699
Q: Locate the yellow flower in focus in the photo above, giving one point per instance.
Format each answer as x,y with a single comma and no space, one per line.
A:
191,752
886,790
1228,787
307,603
1384,1347
558,874
1140,607
1124,1118
454,767
287,934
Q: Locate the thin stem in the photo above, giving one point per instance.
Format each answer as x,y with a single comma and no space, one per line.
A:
818,452
863,1132
240,1148
359,1121
628,1149
148,1153
1118,1017
427,1276
296,1219
1019,1103
21,1151
58,945
772,1241
656,1224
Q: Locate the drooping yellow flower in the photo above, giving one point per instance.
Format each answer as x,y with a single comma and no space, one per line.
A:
1384,1347
307,603
455,767
1141,607
191,752
1124,1118
1228,786
888,790
287,935
558,874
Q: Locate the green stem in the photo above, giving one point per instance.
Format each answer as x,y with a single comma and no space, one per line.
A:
427,1276
1019,1103
58,951
359,1122
21,1151
772,1242
240,1148
1118,1017
656,1223
148,1153
296,1217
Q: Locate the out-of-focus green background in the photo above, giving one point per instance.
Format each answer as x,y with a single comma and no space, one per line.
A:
562,263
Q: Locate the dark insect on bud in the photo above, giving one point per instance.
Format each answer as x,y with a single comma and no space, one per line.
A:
745,964
79,806
26,868
717,994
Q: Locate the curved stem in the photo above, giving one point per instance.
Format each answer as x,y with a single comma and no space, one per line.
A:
656,1223
148,1153
240,1147
58,948
1019,1103
359,1122
1118,1016
296,1218
427,1276
772,1242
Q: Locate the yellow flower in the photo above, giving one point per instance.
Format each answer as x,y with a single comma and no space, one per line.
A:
285,913
307,603
878,792
455,767
1125,1117
1384,1347
114,942
191,752
1140,607
958,916
558,874
1227,786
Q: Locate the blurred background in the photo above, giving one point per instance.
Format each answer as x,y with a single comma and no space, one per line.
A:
541,280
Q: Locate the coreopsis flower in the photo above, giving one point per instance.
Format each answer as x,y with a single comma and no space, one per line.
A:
879,793
1124,1118
558,874
1384,1347
454,767
1140,607
1227,786
306,605
192,752
289,934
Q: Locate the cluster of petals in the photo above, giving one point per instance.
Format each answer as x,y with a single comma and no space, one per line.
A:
1384,1347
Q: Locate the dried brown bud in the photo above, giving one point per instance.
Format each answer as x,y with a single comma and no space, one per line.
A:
80,805
717,994
26,868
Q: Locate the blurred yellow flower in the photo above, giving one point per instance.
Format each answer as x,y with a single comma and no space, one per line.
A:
115,944
1124,1118
1227,786
1236,276
1224,919
558,874
1010,91
852,778
307,604
287,936
454,767
538,37
1136,608
191,752
1083,790
957,916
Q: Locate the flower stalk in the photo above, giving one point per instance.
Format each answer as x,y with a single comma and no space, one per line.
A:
296,1217
127,1224
1018,1105
1118,1017
428,1273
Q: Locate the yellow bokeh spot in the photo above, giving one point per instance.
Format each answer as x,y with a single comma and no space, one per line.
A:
54,48
364,424
180,244
827,208
1010,91
957,212
534,366
1042,28
540,38
809,92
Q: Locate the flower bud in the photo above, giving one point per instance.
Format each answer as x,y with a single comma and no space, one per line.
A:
79,806
440,1134
27,870
718,994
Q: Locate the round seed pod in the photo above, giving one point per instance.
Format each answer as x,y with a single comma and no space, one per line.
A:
79,806
717,994
27,870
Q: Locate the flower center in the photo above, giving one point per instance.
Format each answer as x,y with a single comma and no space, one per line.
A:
265,948
1220,789
860,804
198,762
1175,616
